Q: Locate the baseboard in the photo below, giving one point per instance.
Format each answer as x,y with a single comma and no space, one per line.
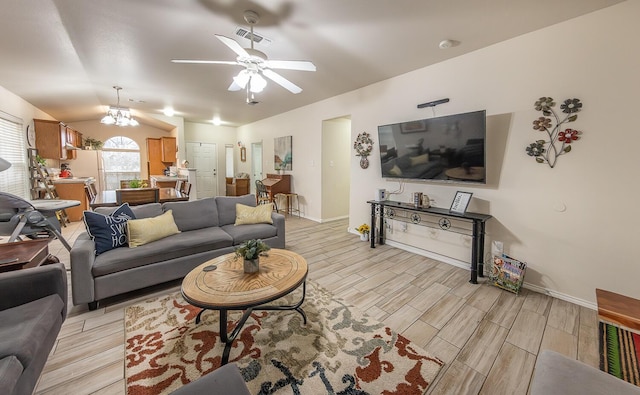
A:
467,266
333,219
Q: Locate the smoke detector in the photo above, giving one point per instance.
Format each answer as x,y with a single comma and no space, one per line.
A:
446,44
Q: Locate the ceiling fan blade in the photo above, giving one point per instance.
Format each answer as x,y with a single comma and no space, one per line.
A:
280,80
301,65
233,44
203,61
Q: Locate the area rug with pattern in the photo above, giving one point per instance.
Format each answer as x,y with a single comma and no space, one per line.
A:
339,351
619,352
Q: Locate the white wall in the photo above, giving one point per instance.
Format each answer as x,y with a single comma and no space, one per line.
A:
590,243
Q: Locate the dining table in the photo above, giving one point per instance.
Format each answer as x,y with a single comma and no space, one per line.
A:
107,198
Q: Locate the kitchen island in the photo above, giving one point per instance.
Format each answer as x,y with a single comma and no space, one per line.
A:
72,188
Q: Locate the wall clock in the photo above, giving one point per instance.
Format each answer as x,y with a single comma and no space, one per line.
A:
31,135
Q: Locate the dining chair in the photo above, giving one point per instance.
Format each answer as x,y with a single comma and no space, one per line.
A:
186,188
90,194
262,195
136,196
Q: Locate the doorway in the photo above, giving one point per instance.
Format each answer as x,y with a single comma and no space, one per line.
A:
203,157
336,168
256,164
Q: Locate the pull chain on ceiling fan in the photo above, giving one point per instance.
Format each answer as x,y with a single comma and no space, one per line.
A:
256,65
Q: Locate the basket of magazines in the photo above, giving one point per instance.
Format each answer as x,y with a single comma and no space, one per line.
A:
507,273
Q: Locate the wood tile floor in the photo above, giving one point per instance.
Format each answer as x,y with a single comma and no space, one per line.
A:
488,338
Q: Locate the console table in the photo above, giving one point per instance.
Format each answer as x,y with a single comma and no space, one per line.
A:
407,212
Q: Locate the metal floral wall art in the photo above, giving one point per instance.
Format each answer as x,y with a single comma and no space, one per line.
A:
559,139
363,146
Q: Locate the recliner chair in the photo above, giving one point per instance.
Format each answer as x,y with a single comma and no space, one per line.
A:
19,217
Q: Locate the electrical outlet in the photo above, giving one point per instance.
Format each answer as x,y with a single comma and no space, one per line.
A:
403,227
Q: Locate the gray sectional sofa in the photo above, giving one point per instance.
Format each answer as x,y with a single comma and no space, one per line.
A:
207,230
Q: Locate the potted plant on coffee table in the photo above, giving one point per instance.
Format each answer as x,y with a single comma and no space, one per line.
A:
251,251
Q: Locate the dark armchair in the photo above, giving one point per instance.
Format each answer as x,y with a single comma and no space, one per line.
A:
33,306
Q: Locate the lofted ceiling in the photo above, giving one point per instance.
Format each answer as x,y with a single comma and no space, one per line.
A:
64,56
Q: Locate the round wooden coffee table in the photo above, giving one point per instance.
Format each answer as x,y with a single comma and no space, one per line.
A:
221,284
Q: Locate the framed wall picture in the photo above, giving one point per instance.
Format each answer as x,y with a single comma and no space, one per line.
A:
460,202
243,154
282,153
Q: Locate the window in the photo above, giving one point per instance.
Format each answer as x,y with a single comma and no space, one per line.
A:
13,150
121,160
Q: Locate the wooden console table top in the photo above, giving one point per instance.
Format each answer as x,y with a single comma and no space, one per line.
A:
229,287
618,309
30,253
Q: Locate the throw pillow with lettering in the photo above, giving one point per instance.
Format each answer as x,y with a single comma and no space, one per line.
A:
108,231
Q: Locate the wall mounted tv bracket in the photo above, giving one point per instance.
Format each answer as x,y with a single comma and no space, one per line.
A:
433,103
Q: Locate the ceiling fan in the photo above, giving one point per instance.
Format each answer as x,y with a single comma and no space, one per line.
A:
256,64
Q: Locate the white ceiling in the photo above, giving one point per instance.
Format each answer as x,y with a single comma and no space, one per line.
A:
64,56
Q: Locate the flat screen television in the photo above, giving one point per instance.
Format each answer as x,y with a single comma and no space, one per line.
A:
449,148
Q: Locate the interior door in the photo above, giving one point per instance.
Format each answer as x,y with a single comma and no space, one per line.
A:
256,164
202,157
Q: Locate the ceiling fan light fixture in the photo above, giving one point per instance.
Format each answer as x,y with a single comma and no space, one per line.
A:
258,83
242,78
119,116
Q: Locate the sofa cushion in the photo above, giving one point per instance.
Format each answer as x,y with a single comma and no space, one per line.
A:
227,207
146,230
108,231
175,246
25,328
247,232
142,211
10,371
192,215
247,215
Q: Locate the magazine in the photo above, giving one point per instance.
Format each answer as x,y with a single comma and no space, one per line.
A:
507,273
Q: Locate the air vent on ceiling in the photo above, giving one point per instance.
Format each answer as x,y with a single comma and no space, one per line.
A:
257,37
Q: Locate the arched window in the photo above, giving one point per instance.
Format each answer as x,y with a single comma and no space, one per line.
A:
121,160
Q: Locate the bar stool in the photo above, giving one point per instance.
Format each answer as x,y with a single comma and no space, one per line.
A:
280,199
292,199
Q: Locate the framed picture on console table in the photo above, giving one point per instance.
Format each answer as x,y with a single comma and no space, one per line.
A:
460,202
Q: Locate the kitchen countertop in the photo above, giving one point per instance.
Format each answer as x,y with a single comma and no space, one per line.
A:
169,178
74,180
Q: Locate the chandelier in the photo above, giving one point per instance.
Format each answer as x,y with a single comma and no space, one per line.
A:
119,116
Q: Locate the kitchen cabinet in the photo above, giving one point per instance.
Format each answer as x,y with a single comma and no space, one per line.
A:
72,141
51,137
154,155
73,189
161,152
168,149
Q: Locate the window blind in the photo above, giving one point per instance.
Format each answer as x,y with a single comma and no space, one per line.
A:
13,150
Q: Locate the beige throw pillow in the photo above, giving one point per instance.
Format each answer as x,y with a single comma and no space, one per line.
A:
246,215
146,230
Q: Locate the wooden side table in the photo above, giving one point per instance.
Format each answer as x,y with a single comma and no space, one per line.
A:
25,254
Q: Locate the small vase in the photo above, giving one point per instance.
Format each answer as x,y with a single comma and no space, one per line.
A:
252,265
364,236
